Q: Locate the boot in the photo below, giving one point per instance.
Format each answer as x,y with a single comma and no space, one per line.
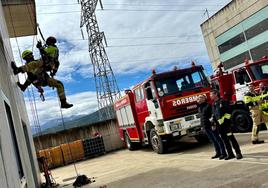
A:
64,104
239,156
229,157
16,70
217,155
222,157
257,141
22,87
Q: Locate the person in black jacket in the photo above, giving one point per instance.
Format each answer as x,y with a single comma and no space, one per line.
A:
205,112
222,117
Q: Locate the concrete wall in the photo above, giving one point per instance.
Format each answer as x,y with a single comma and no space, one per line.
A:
109,130
11,96
228,17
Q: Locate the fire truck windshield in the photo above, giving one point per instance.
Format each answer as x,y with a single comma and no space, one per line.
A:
260,71
181,82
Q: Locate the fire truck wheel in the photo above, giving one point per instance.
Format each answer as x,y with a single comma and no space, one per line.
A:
130,145
241,121
157,144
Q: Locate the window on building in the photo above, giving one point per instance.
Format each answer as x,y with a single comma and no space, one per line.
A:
259,51
233,42
29,149
236,60
14,140
257,29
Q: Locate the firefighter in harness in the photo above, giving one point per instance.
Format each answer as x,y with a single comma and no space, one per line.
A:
222,119
252,100
38,77
50,55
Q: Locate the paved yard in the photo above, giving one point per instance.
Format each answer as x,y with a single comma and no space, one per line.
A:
188,165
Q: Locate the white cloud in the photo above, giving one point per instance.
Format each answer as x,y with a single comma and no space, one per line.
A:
74,57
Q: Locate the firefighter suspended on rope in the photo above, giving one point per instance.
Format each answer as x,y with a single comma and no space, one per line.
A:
38,76
50,55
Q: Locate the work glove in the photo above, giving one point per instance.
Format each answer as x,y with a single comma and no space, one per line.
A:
39,44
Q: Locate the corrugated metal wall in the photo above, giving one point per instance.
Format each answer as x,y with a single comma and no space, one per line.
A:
109,131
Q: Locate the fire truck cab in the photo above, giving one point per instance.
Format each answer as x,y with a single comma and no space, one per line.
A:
234,85
162,109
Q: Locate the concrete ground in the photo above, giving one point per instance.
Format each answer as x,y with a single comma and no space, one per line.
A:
187,165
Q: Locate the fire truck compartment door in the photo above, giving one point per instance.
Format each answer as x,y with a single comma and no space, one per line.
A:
240,91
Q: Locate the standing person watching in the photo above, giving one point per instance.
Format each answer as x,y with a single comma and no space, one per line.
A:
205,112
252,100
222,115
264,103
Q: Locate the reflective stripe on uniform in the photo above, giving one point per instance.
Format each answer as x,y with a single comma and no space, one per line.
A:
248,99
264,95
229,134
225,116
264,105
265,113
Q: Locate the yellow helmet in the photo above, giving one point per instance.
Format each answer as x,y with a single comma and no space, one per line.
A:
26,53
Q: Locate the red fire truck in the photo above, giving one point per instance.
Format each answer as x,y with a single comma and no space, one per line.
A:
234,85
162,108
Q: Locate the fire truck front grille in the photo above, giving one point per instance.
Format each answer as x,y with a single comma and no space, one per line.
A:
181,112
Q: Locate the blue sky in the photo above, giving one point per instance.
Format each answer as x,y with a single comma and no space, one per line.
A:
141,35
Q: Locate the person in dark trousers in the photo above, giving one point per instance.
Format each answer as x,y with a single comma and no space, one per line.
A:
205,112
222,117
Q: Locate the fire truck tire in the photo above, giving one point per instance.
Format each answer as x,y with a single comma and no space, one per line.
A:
241,121
130,145
156,142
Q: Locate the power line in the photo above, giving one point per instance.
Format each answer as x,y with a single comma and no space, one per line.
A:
155,44
142,45
142,37
157,59
143,5
129,10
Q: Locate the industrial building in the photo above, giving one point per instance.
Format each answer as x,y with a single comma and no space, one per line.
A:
18,163
237,32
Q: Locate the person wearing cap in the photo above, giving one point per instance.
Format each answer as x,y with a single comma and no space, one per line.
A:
222,118
38,76
205,112
252,100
